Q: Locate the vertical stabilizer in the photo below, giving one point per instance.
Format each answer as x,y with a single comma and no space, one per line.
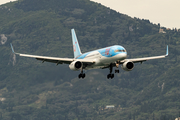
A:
76,47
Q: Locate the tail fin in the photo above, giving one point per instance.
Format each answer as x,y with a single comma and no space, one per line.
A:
76,48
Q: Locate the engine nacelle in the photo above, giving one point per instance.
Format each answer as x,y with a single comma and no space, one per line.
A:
76,65
128,66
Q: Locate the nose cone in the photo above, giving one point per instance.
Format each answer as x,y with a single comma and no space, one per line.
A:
123,56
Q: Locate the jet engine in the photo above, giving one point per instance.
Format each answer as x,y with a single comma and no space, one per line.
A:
128,66
76,65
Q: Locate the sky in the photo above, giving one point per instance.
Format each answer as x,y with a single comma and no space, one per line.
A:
5,1
165,12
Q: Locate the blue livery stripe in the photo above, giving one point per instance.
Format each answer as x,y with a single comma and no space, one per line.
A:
106,52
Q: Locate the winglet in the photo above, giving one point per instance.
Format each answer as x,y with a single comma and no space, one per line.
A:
12,48
167,51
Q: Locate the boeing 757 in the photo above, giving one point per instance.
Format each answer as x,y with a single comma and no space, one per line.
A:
108,57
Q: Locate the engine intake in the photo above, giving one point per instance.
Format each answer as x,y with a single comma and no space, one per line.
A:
128,66
76,65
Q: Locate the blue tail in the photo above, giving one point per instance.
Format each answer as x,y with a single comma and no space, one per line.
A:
76,48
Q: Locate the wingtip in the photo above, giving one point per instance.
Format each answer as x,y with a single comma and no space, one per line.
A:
12,48
167,51
72,29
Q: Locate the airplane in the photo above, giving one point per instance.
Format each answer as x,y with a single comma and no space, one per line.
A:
108,57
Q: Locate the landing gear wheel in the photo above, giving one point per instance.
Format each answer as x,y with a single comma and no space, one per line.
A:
110,76
82,75
116,71
111,69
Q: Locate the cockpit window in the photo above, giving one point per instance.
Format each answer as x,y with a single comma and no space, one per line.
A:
120,51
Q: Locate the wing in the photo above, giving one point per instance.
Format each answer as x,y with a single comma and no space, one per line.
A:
49,59
53,59
135,60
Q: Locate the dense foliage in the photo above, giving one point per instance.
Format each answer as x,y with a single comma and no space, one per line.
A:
36,91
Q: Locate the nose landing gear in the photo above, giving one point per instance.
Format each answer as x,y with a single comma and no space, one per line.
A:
116,71
110,76
117,66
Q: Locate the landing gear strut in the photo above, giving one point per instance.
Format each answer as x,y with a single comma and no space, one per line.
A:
82,75
117,66
110,75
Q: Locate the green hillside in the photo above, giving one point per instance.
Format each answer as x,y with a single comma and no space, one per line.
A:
30,90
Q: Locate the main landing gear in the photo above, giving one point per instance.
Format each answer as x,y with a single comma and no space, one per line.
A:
82,75
110,75
111,69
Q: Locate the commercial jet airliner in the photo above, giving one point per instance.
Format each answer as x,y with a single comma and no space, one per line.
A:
108,57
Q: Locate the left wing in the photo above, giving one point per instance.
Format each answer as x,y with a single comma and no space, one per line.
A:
135,60
54,59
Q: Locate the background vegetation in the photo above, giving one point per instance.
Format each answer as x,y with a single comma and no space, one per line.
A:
36,91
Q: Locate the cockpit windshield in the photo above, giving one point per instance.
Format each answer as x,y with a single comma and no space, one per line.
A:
118,50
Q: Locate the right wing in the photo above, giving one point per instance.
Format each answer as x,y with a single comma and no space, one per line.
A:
53,59
135,60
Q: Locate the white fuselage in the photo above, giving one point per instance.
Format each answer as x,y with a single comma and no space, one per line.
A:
102,61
